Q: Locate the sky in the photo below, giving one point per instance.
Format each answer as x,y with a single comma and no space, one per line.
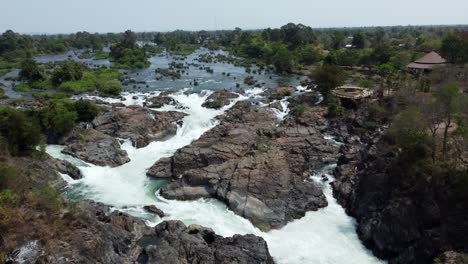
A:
66,16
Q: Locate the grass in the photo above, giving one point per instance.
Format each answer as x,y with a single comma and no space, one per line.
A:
183,49
22,87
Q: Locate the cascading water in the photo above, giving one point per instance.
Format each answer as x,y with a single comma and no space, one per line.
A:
325,236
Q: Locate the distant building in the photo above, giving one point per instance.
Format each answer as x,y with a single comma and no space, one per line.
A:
427,62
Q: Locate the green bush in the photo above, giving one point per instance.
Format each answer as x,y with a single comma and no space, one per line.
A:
8,198
58,117
22,87
7,175
108,87
47,198
2,93
21,132
299,110
334,107
86,110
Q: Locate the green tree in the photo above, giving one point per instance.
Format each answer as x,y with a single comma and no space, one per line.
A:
57,118
20,131
449,100
328,77
282,59
67,71
338,39
455,49
409,132
30,71
86,110
359,40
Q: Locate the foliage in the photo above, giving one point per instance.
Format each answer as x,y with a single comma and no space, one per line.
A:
2,93
68,71
21,131
30,71
127,54
334,107
8,198
298,110
85,110
57,118
168,73
409,132
455,49
22,87
327,78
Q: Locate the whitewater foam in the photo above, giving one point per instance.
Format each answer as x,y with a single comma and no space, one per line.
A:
325,236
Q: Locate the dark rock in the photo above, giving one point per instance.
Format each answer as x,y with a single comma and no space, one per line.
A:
403,215
219,99
66,167
174,243
139,124
154,210
95,147
256,168
159,101
279,92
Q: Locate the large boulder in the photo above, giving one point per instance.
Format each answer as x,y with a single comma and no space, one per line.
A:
258,169
174,243
218,99
159,101
141,125
95,147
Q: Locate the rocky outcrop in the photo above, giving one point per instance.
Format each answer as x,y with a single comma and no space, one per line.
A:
159,101
174,243
218,99
95,147
405,215
141,125
66,167
279,92
258,169
154,210
89,232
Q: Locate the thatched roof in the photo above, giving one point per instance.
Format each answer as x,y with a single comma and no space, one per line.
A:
428,61
431,58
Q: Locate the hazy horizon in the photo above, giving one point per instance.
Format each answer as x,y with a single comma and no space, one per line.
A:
58,16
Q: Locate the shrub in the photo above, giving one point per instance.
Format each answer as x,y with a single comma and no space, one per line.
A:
299,110
334,107
58,117
47,198
86,110
2,93
8,198
21,132
22,87
108,87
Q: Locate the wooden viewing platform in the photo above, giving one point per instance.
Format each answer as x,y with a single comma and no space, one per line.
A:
351,92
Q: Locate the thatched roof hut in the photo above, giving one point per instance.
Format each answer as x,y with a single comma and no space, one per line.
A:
428,62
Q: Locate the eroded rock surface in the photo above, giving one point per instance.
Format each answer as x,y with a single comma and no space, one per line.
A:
141,125
173,243
218,99
258,169
95,147
403,215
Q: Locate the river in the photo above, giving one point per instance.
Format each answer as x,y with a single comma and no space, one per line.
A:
324,236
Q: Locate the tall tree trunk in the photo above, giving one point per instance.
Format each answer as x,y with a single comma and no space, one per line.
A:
447,126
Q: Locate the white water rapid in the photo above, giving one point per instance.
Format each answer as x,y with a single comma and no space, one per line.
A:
325,236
